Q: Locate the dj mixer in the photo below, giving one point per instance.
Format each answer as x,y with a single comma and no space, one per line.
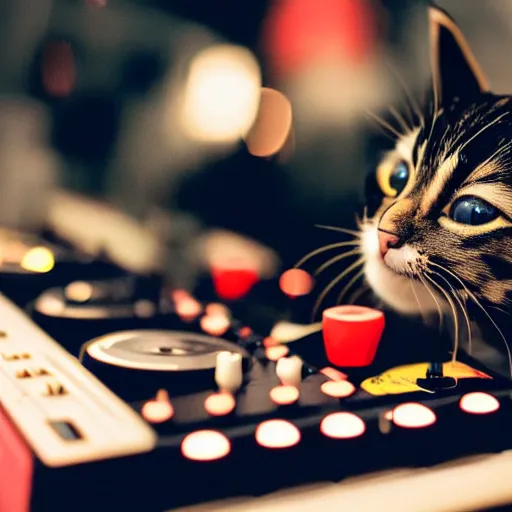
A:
120,393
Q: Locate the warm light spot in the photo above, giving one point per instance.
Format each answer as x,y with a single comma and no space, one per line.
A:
215,325
338,388
215,308
50,305
296,282
272,126
38,259
158,410
342,425
222,94
479,403
220,404
276,352
284,395
205,445
277,434
333,374
269,342
187,308
79,291
413,415
388,415
233,281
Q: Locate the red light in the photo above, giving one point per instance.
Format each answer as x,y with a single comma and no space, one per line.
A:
220,404
205,445
244,332
235,282
274,353
284,395
479,403
296,282
277,434
342,425
352,334
413,415
338,389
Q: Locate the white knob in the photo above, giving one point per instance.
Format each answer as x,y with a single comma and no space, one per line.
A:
228,371
289,370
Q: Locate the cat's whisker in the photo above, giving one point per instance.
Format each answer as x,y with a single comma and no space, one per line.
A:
384,124
313,253
477,302
463,309
412,104
358,293
334,282
400,120
454,314
349,285
337,258
422,313
432,294
355,234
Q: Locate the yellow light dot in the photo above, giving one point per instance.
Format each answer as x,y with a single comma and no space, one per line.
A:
38,259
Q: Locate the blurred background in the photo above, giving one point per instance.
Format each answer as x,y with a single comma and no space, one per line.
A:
153,109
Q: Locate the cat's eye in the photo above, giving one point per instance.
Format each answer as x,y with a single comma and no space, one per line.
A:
473,211
392,179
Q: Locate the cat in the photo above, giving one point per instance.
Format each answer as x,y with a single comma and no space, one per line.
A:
441,237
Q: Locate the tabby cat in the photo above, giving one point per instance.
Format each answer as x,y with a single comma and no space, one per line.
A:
442,233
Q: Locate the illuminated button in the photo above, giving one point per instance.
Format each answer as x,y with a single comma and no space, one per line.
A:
284,395
337,389
205,445
479,403
277,434
220,404
275,353
342,425
158,410
296,282
413,415
215,325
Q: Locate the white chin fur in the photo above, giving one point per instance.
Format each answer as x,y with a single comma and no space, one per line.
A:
394,289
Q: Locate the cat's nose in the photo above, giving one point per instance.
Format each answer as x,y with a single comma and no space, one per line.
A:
387,241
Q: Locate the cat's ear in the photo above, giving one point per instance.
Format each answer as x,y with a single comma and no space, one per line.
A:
456,72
